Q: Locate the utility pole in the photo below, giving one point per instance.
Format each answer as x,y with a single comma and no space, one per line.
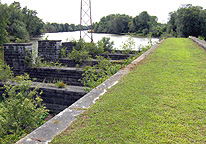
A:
86,20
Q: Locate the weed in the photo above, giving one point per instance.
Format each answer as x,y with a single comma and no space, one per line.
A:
60,84
128,45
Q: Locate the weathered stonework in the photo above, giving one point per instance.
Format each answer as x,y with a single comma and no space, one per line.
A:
57,99
15,56
201,43
49,50
70,76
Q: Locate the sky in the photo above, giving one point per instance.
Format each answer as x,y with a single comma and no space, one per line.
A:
68,11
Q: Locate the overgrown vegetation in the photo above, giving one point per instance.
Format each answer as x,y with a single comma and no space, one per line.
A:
95,75
18,24
128,46
6,72
161,101
84,51
1,53
21,111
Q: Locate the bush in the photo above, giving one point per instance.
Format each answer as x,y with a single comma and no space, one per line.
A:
92,48
5,71
95,75
79,55
21,111
105,44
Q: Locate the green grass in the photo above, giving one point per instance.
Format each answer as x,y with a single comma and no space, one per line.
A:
162,101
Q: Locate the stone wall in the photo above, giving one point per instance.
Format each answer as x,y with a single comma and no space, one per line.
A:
57,99
202,43
68,46
15,56
70,76
49,49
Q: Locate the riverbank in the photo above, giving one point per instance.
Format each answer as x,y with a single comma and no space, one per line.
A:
162,100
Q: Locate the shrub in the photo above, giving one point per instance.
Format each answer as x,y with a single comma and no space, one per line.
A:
92,48
105,44
21,111
79,55
6,72
95,75
201,37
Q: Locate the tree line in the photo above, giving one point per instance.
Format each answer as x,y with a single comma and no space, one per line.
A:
141,25
20,24
188,21
56,27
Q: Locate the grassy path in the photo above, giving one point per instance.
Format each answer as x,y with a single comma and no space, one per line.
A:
162,101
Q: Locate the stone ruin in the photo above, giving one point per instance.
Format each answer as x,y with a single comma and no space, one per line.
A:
56,99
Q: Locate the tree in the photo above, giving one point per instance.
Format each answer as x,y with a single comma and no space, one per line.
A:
4,20
203,23
19,30
116,24
144,19
187,21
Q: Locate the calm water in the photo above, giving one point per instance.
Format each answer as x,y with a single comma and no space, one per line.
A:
118,39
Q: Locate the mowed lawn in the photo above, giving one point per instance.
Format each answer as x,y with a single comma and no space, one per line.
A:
163,100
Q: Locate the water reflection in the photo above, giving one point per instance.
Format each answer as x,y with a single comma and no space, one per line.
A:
68,36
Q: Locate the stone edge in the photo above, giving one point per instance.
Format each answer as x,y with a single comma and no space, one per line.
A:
45,133
201,43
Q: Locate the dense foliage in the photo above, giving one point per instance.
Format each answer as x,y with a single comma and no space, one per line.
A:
18,24
141,25
21,110
95,75
188,21
83,50
6,72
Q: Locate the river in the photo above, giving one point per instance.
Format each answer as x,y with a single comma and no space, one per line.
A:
118,39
